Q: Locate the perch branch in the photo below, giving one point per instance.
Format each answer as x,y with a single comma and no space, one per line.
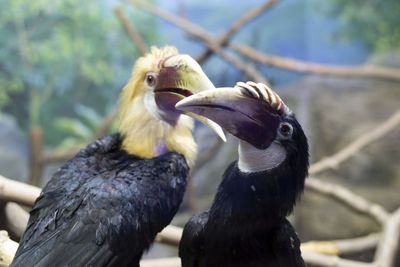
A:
275,61
360,142
130,30
162,262
14,191
348,198
236,26
342,246
171,235
249,70
388,246
16,218
8,248
315,259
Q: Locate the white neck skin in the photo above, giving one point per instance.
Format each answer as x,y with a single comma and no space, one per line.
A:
252,159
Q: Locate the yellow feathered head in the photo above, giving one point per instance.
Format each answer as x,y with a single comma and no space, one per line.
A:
150,123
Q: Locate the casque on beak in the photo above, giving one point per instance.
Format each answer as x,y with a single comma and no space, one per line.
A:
248,111
179,77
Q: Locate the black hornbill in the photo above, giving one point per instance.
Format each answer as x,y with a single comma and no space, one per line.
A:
105,206
246,225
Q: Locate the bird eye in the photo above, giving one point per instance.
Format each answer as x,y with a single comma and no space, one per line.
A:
285,130
151,79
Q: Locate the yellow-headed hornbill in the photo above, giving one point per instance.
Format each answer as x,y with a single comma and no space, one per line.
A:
105,206
246,225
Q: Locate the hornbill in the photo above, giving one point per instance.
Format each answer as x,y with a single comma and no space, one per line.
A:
105,206
246,225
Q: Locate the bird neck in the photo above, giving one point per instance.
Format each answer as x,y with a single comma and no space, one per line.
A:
252,159
267,196
146,136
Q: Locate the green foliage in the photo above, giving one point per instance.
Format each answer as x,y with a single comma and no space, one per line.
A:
373,21
55,54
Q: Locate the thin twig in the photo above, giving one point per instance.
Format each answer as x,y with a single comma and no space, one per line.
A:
348,198
275,61
130,30
249,70
360,142
236,26
371,71
388,246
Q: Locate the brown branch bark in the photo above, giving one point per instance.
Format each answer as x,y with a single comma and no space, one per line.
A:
389,244
36,163
275,61
235,27
332,162
247,69
347,197
130,30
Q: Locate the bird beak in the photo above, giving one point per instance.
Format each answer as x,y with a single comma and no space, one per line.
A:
248,111
181,76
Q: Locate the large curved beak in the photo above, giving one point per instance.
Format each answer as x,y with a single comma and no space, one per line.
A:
181,76
249,114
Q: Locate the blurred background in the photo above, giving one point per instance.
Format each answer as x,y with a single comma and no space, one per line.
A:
63,64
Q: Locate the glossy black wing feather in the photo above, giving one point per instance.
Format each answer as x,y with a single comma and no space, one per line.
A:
102,208
191,247
287,247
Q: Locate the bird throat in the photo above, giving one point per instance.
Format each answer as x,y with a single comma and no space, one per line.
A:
252,159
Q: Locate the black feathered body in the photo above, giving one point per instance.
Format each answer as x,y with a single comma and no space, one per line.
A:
103,208
246,225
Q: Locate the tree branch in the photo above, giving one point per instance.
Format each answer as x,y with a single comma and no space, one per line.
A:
14,191
388,246
249,70
236,26
348,198
342,246
16,218
332,162
130,30
362,71
7,249
315,259
275,61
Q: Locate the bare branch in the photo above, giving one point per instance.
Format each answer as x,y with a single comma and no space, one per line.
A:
360,142
249,70
315,68
342,246
130,30
16,218
7,249
348,198
14,191
237,25
162,262
275,61
389,244
315,259
171,235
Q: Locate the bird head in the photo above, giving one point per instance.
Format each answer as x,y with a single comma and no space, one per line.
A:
150,123
268,131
